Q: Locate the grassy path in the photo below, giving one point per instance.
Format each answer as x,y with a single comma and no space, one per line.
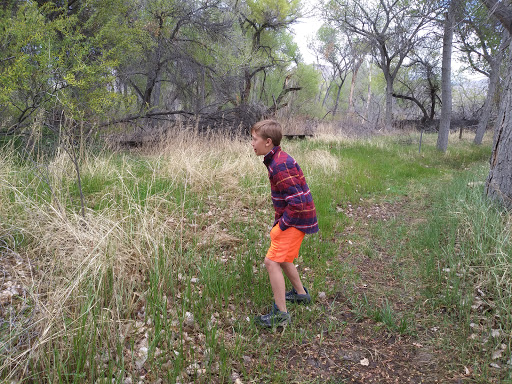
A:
366,326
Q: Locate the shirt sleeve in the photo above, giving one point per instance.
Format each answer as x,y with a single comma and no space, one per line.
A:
288,183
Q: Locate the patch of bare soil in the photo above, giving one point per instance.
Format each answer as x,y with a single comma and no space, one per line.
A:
354,348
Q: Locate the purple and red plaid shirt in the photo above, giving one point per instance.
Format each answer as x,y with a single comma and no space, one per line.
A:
291,196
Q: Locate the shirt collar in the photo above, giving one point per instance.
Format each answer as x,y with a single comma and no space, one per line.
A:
268,157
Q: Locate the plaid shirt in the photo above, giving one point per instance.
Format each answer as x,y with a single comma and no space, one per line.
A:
291,196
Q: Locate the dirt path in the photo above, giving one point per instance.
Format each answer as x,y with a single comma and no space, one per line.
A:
355,348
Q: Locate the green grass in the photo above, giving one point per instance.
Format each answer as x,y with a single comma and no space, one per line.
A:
165,239
466,261
383,315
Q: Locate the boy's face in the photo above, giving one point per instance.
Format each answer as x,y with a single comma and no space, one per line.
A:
260,145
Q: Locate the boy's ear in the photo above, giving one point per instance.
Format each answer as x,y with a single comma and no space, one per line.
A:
268,141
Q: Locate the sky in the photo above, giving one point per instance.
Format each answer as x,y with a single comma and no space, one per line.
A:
305,29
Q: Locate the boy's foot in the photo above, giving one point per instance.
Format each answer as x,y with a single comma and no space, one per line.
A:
275,318
295,297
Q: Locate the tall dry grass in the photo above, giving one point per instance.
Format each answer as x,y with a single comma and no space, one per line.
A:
118,242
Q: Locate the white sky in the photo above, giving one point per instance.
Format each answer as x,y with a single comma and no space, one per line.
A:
306,29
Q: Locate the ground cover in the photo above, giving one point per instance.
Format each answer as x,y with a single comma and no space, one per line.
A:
160,281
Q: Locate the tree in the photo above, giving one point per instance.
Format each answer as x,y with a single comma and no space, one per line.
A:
391,26
499,181
216,60
55,74
419,82
446,77
333,48
53,64
265,24
359,49
484,41
344,53
172,38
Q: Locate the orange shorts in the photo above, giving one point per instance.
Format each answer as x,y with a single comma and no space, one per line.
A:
284,245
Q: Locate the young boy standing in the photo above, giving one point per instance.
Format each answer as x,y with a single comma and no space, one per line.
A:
295,215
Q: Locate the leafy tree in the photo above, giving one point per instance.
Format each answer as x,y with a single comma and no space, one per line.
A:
302,102
57,71
265,24
213,59
172,38
54,65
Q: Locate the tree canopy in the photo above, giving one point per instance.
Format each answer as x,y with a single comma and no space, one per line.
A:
230,62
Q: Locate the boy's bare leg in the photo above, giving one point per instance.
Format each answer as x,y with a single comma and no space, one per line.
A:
277,282
293,275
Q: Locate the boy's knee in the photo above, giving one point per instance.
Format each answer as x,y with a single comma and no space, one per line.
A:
270,264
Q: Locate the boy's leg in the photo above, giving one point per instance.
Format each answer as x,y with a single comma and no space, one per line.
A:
277,282
293,275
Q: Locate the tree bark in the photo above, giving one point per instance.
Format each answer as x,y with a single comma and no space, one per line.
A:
446,81
499,181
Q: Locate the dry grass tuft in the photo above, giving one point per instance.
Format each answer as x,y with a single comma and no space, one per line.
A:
322,160
205,160
73,255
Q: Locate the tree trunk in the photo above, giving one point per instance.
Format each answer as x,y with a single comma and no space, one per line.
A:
369,96
151,82
157,91
355,70
499,181
335,110
433,97
446,82
327,93
493,83
486,109
244,97
389,101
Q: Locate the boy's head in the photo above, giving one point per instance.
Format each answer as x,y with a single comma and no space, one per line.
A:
268,129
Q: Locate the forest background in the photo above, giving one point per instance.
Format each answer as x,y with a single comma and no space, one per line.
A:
86,236
116,63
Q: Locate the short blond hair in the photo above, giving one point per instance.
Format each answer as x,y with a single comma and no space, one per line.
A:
268,129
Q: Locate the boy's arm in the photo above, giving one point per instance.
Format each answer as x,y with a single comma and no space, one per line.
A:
288,182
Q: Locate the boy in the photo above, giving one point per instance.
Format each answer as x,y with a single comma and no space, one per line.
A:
295,215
